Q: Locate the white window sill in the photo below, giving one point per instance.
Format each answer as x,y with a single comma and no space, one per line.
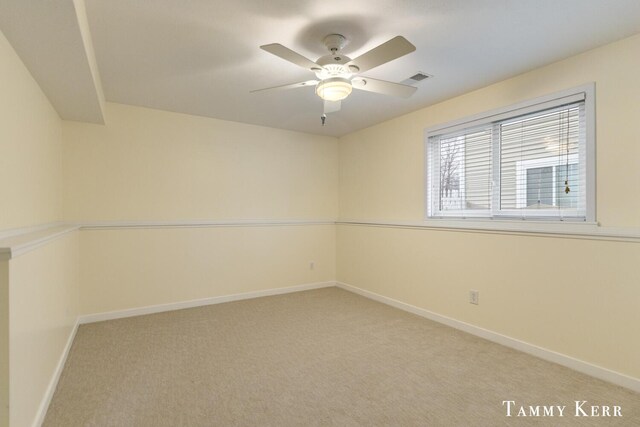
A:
551,226
566,229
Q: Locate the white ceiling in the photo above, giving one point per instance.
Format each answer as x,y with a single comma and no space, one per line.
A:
202,57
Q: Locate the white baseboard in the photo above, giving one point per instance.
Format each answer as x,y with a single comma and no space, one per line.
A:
53,383
543,353
119,314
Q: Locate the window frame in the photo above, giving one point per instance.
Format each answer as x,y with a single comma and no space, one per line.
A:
585,93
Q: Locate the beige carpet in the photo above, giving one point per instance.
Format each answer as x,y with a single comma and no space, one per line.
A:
319,358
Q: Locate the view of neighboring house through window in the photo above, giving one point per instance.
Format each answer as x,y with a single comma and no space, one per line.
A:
525,163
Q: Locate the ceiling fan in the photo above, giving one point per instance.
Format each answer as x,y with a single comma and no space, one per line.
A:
337,74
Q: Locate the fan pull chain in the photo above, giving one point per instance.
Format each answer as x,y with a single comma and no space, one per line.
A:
324,117
566,178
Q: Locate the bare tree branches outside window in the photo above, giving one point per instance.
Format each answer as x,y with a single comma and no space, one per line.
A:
450,151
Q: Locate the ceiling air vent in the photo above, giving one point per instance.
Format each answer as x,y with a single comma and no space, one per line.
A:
417,78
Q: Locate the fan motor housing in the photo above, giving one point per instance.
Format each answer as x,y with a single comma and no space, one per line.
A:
333,69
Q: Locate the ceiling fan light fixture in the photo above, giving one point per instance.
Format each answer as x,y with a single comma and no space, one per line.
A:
334,89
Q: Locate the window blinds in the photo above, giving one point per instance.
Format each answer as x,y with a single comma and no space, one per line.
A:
540,169
527,164
463,164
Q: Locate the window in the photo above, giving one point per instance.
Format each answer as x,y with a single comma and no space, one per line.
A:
532,161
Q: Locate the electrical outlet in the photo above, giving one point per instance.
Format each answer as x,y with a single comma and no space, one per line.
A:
312,265
474,297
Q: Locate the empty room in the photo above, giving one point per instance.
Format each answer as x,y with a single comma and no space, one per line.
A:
319,213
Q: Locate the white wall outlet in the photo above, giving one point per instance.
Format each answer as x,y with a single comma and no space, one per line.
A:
312,265
474,297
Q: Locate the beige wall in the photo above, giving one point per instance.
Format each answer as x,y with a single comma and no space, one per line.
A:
130,268
155,165
30,148
4,343
576,297
44,305
149,165
38,290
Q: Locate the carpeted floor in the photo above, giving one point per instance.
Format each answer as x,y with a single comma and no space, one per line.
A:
325,357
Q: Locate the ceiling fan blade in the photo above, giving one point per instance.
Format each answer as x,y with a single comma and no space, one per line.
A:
384,87
289,55
288,86
331,106
388,51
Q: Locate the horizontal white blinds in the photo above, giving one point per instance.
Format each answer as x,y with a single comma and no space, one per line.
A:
465,171
540,169
529,166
